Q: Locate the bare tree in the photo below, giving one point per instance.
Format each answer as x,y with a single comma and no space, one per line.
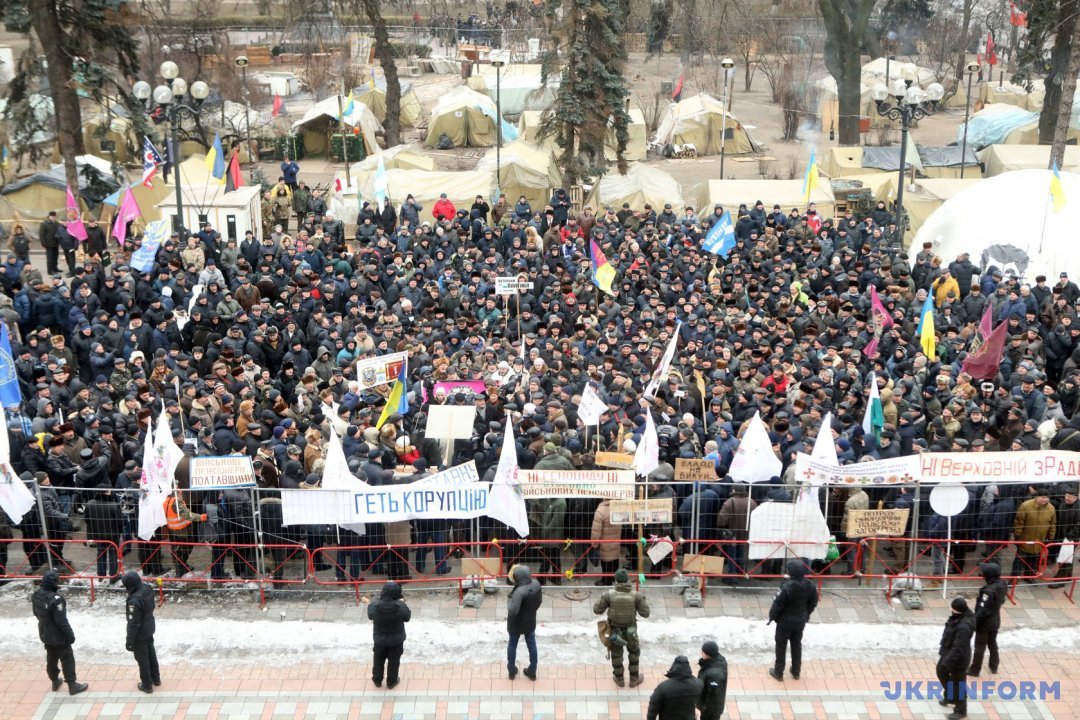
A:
846,23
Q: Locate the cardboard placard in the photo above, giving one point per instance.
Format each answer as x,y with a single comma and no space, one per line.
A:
687,470
641,512
218,473
703,564
512,285
485,567
877,523
621,461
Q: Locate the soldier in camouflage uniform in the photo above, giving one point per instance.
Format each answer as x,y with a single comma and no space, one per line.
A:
623,606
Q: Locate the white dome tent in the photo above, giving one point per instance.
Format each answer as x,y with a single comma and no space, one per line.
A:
999,221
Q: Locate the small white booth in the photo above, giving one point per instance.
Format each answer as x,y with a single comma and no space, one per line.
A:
231,213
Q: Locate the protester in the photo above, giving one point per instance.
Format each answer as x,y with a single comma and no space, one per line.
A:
56,634
623,606
521,608
140,630
388,615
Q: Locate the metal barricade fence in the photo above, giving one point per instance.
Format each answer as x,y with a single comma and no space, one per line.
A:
1063,572
451,563
100,565
553,561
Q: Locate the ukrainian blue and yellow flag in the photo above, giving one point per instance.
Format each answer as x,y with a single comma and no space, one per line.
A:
215,160
350,105
925,330
810,181
1057,193
603,273
396,402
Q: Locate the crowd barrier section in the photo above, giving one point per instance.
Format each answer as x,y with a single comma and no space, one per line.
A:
959,560
556,560
208,564
1064,572
40,555
478,561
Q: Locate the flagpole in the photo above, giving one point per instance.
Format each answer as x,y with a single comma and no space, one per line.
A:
1042,231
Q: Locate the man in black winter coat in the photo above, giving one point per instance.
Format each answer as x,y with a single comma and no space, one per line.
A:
713,677
140,630
105,524
388,616
954,656
791,610
55,632
988,617
676,698
525,599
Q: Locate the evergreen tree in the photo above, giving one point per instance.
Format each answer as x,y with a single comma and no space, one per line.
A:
591,100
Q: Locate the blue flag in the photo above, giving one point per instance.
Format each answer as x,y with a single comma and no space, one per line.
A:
9,381
721,238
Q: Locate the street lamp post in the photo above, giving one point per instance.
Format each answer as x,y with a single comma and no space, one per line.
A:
727,64
170,97
498,62
242,63
907,102
972,68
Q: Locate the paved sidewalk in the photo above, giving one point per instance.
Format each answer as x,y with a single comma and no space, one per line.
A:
461,691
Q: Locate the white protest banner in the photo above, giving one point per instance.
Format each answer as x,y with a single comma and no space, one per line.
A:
611,484
512,285
218,473
381,370
777,529
591,407
457,475
641,512
1031,466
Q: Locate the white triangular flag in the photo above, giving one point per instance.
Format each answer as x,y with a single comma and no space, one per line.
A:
647,455
755,460
824,451
660,374
336,476
507,503
152,499
15,498
591,407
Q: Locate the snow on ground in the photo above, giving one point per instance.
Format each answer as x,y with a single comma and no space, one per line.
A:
211,641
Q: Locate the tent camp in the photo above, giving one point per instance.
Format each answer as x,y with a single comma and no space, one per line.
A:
401,157
375,99
34,196
873,72
468,119
231,213
829,103
937,162
636,147
524,170
110,135
519,87
426,186
698,120
321,120
1009,236
845,162
786,193
1005,93
927,196
998,159
642,184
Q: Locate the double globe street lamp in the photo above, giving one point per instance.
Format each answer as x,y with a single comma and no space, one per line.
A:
170,97
905,101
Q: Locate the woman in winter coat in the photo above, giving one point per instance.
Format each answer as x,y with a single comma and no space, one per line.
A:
610,552
388,616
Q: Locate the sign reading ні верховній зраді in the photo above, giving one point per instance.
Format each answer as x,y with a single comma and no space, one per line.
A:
219,473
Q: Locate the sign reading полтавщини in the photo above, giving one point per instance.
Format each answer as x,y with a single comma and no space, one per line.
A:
218,473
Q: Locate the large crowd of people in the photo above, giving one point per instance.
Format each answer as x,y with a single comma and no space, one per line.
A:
250,346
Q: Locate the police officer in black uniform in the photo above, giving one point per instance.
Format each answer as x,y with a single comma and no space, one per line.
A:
791,610
55,632
988,617
140,630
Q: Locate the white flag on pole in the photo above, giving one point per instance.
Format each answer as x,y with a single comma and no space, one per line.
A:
507,503
665,364
591,407
15,498
825,451
336,476
647,455
755,460
151,501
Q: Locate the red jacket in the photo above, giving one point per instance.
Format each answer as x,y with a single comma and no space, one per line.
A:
443,209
